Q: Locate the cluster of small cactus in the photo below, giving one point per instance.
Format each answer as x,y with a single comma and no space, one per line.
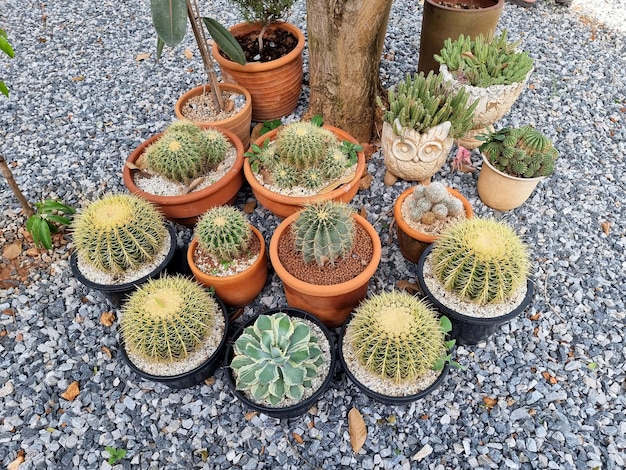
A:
485,60
481,260
396,336
185,151
224,232
433,202
523,151
423,102
167,319
119,232
276,358
324,231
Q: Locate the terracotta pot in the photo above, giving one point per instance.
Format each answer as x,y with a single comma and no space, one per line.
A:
275,85
237,290
186,208
284,206
413,242
330,303
239,124
441,22
501,191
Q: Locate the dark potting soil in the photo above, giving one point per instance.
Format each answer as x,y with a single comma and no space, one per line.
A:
276,44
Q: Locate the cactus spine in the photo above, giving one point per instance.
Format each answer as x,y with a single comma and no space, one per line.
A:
167,319
224,232
481,260
324,231
303,144
119,232
396,336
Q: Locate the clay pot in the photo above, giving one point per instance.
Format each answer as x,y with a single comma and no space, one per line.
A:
186,208
284,206
330,303
239,124
413,242
275,85
501,191
237,290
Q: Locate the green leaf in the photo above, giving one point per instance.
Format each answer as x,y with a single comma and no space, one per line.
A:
160,45
268,374
58,219
445,324
50,205
3,89
5,46
317,120
169,18
30,222
292,375
225,41
115,455
44,234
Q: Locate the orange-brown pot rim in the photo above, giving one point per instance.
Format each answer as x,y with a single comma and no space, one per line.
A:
200,90
499,4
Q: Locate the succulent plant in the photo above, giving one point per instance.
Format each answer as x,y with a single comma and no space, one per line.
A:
303,144
485,60
276,358
185,151
423,102
119,232
224,232
481,260
167,319
285,176
522,152
433,202
334,163
324,231
396,336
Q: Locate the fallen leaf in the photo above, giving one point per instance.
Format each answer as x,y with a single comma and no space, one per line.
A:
19,460
32,252
410,287
490,402
210,380
535,317
144,56
228,105
369,150
356,429
107,318
366,182
248,207
425,416
311,424
606,227
531,86
72,392
363,212
107,352
13,250
251,414
423,453
297,437
188,54
78,78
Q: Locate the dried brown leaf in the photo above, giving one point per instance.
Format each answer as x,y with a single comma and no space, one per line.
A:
410,287
144,56
535,317
72,392
13,250
490,402
606,227
366,182
248,207
251,414
188,54
107,318
78,78
297,437
356,429
19,460
107,352
32,252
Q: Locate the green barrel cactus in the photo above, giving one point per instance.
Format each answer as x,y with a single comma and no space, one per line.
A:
224,232
119,232
324,231
396,336
481,260
167,319
276,358
303,144
185,152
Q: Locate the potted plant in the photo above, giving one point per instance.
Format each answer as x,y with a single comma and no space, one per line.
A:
443,19
477,274
421,213
492,70
422,118
325,255
281,362
303,162
121,241
228,254
514,161
394,348
186,169
173,331
225,105
273,50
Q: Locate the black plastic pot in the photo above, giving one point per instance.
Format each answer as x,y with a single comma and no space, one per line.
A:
289,411
117,293
466,329
194,376
386,399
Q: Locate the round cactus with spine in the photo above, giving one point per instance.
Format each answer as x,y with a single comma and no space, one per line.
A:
119,232
396,336
303,144
167,319
224,232
481,260
433,202
324,231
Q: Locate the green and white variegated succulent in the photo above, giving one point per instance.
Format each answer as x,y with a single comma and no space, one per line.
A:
276,358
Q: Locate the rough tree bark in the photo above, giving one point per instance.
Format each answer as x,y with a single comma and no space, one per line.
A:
345,40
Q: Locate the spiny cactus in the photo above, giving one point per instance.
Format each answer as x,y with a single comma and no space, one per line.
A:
167,319
335,162
433,202
324,231
185,151
224,232
119,232
276,358
485,60
396,336
285,176
303,144
422,102
481,260
523,152
312,178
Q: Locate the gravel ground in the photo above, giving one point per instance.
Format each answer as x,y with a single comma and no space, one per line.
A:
547,392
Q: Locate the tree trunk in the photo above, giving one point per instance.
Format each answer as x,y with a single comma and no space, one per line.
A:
345,39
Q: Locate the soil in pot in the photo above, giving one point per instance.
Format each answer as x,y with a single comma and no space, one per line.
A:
276,44
201,108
